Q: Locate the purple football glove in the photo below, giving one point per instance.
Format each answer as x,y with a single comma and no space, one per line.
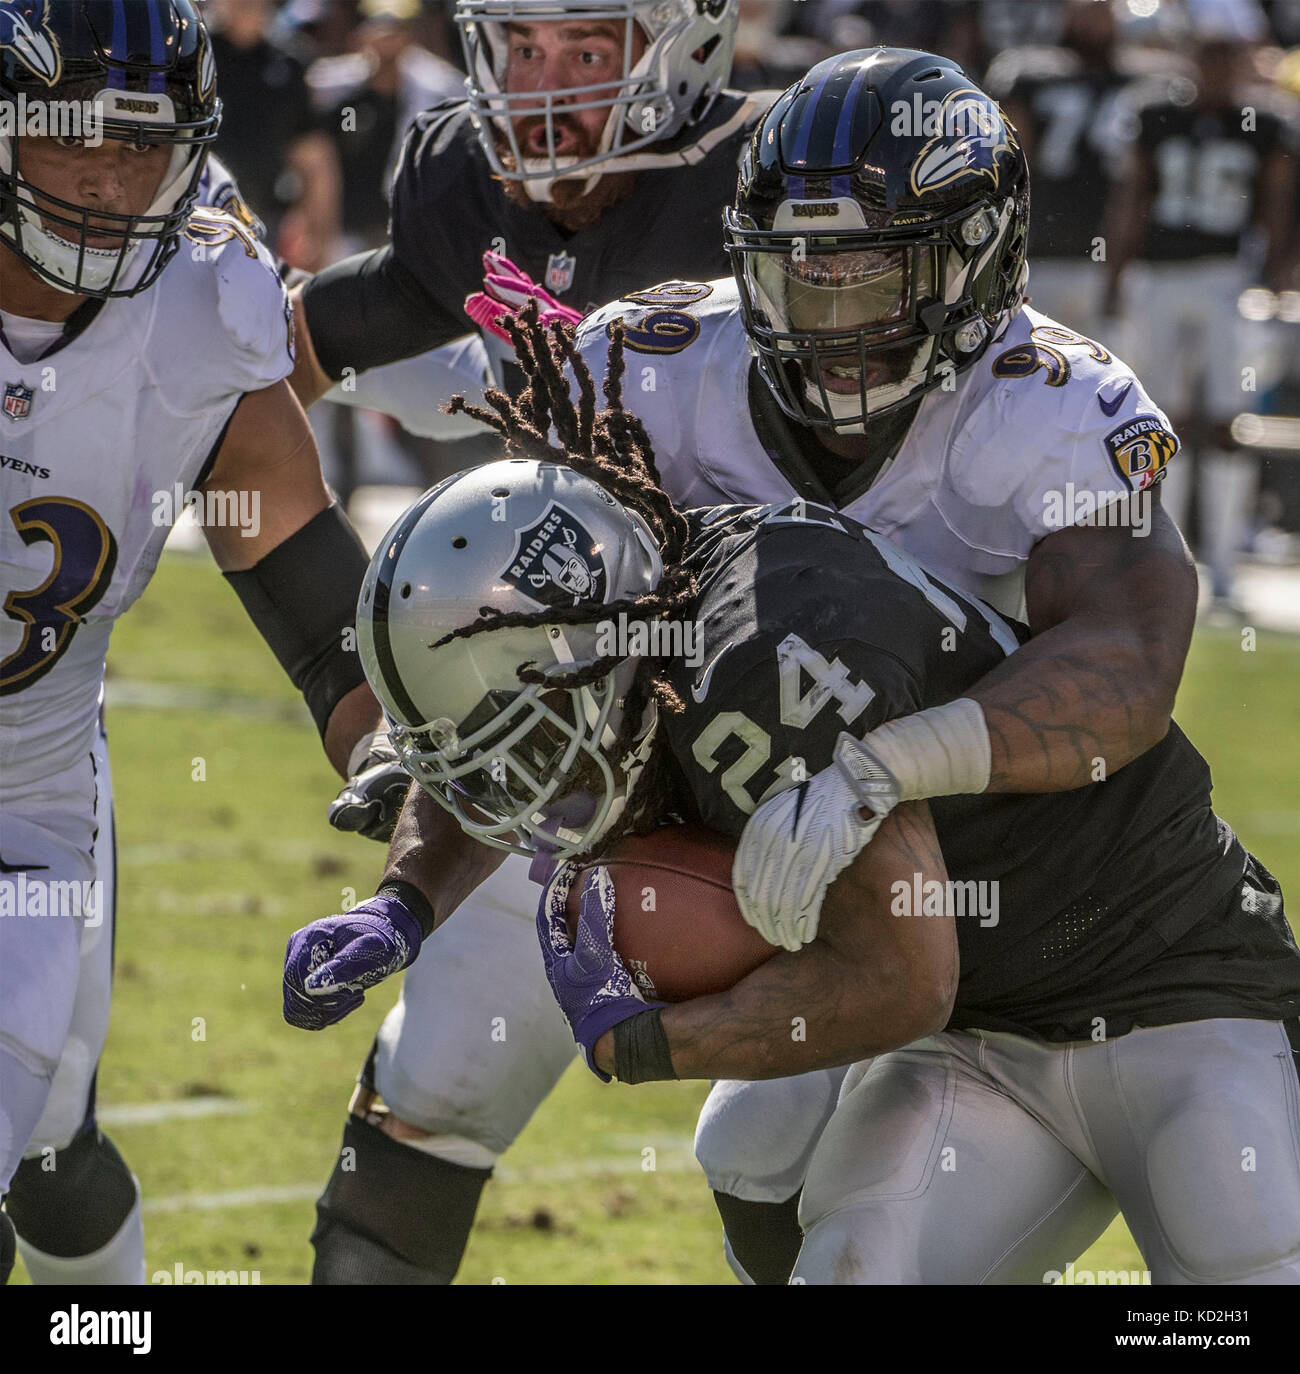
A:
329,964
506,290
594,990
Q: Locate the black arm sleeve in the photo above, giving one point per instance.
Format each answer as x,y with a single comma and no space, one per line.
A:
303,599
369,310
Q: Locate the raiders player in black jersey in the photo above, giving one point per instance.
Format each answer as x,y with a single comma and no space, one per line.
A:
595,151
1104,1032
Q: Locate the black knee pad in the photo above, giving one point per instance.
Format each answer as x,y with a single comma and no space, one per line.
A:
78,1205
8,1248
392,1214
764,1236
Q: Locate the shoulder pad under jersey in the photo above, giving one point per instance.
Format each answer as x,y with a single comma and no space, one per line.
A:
1052,427
225,312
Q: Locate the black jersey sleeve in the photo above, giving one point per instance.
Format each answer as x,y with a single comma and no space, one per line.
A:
369,310
405,298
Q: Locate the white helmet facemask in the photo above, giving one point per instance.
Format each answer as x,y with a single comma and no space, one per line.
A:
685,63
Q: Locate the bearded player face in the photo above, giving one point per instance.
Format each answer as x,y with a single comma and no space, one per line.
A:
562,55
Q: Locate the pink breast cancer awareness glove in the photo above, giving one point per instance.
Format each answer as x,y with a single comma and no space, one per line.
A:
506,290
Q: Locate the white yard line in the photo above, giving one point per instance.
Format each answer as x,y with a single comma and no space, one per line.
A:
182,1109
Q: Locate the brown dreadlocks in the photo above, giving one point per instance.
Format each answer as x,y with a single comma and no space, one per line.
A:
610,447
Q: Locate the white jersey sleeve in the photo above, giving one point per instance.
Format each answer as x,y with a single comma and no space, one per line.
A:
1046,430
234,308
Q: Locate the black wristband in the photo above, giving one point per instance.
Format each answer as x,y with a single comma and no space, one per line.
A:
641,1053
413,900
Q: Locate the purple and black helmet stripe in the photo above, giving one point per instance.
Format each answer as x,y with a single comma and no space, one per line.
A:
137,32
823,135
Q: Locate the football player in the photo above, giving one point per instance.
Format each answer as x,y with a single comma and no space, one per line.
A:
1070,105
1205,205
145,349
873,355
559,161
596,151
1103,1031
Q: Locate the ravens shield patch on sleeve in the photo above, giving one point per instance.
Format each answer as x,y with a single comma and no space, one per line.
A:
1140,449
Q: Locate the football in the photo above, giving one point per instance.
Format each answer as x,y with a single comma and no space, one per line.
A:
677,925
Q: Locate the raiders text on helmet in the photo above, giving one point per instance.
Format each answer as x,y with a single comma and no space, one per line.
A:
655,100
521,766
147,67
878,235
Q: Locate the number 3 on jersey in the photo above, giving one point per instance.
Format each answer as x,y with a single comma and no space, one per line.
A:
85,554
798,662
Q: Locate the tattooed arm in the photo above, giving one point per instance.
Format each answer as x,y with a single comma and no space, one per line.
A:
1112,615
870,982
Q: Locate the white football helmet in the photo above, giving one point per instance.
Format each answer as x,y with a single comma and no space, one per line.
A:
523,766
687,61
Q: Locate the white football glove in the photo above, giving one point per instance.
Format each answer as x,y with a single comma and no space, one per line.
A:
797,843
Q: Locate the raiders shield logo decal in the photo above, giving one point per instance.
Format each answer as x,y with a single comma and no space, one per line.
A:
1140,449
559,272
18,401
556,562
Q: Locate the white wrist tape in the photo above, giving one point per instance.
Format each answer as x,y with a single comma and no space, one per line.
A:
937,752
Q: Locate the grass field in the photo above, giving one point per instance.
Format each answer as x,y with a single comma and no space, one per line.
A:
231,1119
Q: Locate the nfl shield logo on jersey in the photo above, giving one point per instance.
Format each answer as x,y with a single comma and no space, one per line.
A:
556,561
18,401
559,272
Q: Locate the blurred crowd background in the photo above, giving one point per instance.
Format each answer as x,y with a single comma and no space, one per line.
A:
1189,108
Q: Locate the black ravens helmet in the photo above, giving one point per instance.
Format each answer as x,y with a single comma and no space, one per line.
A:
878,235
146,68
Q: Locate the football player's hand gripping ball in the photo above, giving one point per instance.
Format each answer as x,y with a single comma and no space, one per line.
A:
797,843
591,984
329,964
506,290
372,797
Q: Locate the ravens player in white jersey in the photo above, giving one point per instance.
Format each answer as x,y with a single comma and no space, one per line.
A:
145,346
881,268
1104,1031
